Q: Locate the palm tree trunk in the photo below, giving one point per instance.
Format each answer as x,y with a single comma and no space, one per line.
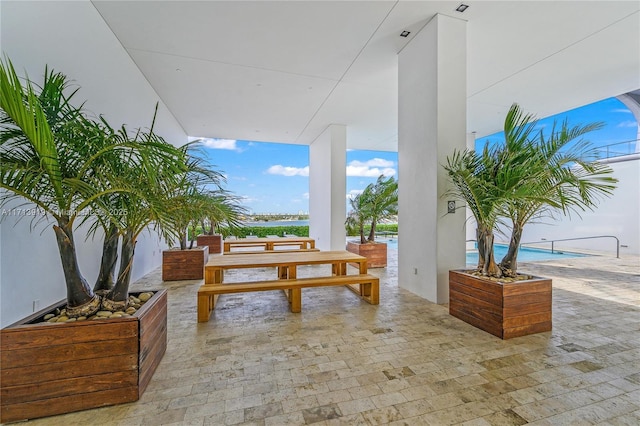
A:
372,232
105,279
481,249
362,239
509,261
490,267
81,301
118,297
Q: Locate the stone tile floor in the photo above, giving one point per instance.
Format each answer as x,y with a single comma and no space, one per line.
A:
404,362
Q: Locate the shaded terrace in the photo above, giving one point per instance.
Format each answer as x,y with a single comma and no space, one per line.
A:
406,361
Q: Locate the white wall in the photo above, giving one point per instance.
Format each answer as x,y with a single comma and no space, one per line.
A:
327,188
431,123
72,38
618,215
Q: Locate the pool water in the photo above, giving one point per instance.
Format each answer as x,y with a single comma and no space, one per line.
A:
525,254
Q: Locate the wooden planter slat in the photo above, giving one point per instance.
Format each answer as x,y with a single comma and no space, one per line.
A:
505,310
50,369
214,242
376,254
184,264
64,387
153,342
63,405
60,353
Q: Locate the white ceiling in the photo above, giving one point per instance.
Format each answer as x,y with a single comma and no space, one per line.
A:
282,71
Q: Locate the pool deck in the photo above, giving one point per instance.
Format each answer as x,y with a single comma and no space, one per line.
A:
403,362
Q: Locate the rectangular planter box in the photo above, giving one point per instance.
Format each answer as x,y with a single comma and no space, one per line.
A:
214,242
51,369
184,264
505,310
376,254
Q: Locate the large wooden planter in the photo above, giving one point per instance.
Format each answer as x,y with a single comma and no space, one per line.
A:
505,310
184,264
50,369
376,253
214,242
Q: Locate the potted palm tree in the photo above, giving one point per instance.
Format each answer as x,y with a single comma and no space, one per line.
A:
223,213
189,200
377,202
56,158
528,176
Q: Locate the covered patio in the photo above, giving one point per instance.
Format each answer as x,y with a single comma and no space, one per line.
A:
405,361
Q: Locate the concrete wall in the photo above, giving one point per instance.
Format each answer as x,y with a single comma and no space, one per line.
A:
72,38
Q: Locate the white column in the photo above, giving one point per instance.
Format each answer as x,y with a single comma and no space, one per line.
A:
431,123
328,188
632,101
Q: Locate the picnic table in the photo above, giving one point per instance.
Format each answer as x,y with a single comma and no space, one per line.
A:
363,284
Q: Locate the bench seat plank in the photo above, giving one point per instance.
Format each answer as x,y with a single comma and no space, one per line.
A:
368,289
269,251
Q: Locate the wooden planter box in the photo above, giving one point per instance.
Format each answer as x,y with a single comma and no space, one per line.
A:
184,264
376,253
505,310
214,242
50,369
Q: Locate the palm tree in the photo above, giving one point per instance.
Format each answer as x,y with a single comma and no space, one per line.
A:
48,159
357,216
378,201
473,176
525,178
223,210
382,197
150,167
558,174
189,198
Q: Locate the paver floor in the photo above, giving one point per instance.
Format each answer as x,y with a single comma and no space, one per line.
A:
404,362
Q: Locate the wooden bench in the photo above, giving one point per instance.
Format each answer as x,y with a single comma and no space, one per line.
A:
364,285
269,251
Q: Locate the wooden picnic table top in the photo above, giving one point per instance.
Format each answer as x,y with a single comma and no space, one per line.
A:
262,240
284,259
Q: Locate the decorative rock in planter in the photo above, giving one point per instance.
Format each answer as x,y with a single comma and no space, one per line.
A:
184,264
376,253
214,242
504,309
50,369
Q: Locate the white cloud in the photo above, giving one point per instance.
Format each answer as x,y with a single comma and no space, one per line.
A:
628,123
288,171
305,195
228,144
371,168
353,193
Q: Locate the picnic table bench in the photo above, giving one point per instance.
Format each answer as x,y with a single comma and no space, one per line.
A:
363,284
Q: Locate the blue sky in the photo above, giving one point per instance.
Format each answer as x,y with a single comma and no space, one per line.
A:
619,123
274,178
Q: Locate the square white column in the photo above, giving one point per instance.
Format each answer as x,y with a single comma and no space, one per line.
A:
431,124
328,188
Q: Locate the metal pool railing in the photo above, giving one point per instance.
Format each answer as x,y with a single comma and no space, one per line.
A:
575,239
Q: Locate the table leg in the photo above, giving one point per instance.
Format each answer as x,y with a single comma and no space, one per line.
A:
213,275
295,297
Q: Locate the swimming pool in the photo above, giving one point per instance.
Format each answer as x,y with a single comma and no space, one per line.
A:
525,254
